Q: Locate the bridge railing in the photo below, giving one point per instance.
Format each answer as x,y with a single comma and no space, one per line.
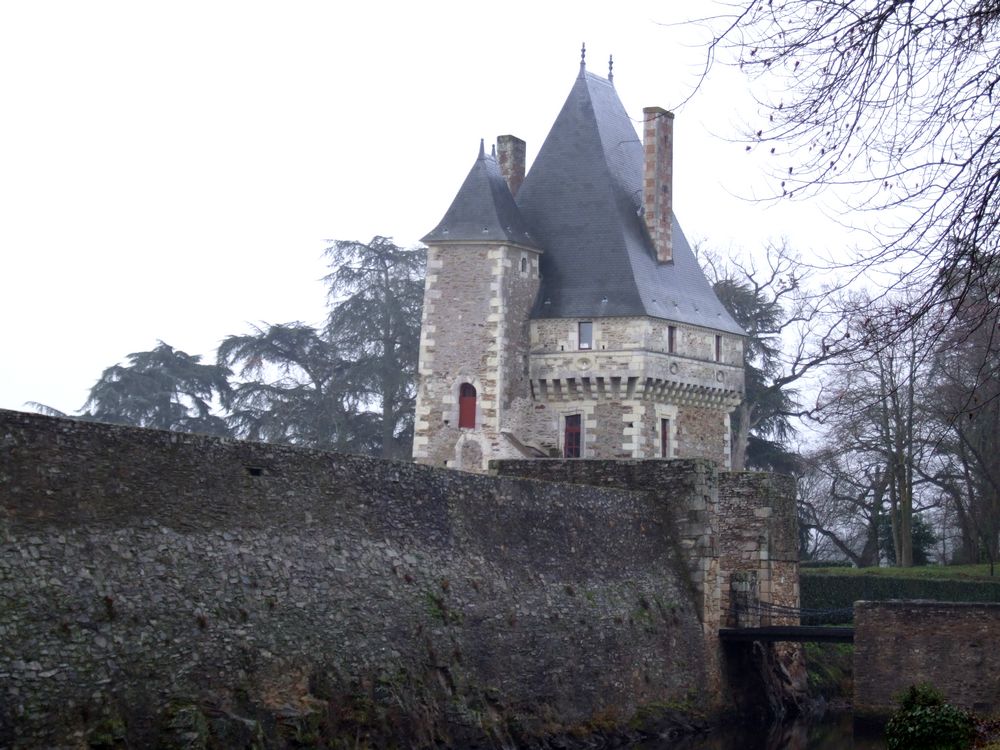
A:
751,613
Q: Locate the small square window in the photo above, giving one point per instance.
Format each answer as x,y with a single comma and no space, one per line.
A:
586,335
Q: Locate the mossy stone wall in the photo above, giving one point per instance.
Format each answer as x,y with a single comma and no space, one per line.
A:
144,573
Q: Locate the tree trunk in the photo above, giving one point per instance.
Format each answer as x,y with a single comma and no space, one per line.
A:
740,417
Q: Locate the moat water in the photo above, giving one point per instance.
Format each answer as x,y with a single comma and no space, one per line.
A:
830,733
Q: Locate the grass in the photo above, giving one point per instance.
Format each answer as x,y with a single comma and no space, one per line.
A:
943,572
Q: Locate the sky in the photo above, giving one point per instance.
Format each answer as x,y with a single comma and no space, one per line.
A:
171,171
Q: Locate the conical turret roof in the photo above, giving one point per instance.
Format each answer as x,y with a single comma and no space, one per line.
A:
582,201
483,211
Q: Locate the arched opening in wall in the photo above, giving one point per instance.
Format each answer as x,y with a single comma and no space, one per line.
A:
467,406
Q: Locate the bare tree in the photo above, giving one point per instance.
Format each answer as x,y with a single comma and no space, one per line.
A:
792,332
877,407
893,103
967,409
841,500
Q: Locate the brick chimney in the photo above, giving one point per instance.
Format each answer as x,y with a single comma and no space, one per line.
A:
510,157
658,180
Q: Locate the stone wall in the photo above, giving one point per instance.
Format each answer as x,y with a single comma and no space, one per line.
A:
953,646
474,330
550,335
530,374
157,583
629,380
758,536
731,527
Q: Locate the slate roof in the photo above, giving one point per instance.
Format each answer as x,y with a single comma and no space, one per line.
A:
582,199
483,211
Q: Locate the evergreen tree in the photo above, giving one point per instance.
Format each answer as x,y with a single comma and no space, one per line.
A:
295,388
376,292
165,389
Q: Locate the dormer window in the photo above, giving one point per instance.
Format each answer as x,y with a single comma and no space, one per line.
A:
586,335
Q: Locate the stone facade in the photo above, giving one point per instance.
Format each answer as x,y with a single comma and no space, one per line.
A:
474,331
732,528
657,381
530,374
951,645
631,379
158,584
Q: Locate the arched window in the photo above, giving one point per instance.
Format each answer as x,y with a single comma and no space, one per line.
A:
467,406
524,264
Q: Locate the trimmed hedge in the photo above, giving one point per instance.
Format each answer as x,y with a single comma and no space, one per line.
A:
825,564
840,592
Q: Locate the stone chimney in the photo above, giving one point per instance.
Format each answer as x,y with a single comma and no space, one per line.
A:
510,157
658,180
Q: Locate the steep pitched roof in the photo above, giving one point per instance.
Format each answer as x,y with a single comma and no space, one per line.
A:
483,211
582,199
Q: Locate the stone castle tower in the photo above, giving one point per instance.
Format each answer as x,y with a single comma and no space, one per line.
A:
564,311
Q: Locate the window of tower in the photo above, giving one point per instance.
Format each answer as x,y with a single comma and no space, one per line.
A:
672,339
572,433
664,438
718,348
586,333
467,406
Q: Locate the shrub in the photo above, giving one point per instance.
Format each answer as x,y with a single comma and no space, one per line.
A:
925,721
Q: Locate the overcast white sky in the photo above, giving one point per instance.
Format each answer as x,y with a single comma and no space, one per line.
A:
170,170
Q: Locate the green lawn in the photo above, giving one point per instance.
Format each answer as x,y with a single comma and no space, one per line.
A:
953,572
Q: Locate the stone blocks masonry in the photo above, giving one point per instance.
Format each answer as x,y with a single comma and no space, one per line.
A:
142,570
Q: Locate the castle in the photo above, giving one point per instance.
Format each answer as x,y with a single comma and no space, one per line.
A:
565,313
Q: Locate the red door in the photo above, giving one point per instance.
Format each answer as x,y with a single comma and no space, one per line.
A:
571,437
467,406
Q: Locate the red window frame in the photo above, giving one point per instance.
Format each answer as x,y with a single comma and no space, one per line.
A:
467,406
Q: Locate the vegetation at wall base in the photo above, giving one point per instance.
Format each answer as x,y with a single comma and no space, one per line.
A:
925,721
830,671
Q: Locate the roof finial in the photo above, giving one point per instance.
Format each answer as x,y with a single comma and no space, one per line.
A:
583,55
493,150
482,148
611,68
